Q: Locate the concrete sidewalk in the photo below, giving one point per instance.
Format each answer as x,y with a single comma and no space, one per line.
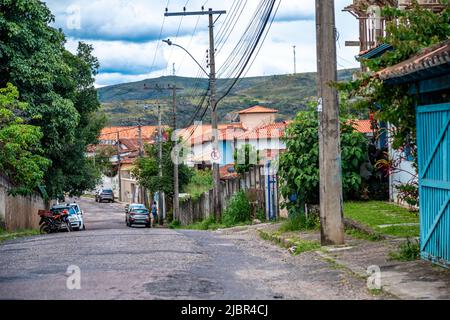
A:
415,280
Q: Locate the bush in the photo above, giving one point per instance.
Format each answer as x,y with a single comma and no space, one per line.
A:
200,182
261,215
407,251
300,222
299,166
239,210
175,224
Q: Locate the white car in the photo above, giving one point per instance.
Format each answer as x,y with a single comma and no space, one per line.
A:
77,220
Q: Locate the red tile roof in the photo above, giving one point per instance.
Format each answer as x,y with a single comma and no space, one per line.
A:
270,131
110,133
203,133
428,58
225,173
363,126
258,109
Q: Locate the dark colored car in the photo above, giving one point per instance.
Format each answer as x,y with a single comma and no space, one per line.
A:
138,216
104,195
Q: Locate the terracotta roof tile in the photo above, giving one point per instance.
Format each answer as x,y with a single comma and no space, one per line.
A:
258,109
363,126
270,131
434,56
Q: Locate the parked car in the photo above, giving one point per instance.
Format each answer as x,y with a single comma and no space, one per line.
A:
129,207
72,215
80,225
104,195
138,216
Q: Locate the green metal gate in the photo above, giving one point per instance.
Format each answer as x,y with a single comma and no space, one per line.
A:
433,141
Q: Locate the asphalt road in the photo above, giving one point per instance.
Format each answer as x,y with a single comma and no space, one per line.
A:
116,262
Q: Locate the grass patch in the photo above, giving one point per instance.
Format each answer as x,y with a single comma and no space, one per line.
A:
5,235
298,245
300,222
376,213
407,251
362,235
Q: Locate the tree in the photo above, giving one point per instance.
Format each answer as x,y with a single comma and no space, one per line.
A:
59,89
147,170
408,31
299,165
20,144
245,158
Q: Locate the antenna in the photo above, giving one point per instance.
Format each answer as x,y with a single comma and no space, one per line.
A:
173,70
295,59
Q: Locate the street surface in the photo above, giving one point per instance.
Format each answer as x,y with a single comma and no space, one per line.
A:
117,262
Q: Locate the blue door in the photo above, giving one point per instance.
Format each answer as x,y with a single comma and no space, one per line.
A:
433,140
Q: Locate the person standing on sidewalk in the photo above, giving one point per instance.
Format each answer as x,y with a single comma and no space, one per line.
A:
154,213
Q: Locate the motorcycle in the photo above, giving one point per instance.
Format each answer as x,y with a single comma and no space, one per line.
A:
53,223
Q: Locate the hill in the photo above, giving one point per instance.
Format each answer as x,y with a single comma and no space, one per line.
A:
124,102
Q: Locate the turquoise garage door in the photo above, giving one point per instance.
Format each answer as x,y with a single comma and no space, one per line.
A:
433,140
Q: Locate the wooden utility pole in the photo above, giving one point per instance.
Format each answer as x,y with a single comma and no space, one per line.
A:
141,154
212,100
176,196
119,160
331,213
162,196
214,122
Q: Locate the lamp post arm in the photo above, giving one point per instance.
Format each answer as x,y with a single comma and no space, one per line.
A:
176,45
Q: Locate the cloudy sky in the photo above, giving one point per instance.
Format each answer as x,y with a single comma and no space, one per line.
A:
125,36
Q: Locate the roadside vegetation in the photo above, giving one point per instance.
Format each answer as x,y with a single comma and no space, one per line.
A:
200,182
407,251
5,235
238,213
384,218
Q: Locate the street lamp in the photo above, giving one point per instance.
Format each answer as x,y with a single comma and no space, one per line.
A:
170,43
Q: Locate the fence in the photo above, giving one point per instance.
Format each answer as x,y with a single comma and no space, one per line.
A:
254,182
18,212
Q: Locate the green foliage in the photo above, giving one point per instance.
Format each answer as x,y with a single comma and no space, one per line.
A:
245,158
261,215
20,145
407,251
239,210
58,88
409,193
377,213
300,222
200,182
299,166
147,170
408,31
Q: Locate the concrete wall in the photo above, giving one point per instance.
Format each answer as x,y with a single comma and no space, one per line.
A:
19,212
256,120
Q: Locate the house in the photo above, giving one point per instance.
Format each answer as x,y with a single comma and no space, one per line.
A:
428,76
256,126
372,25
127,142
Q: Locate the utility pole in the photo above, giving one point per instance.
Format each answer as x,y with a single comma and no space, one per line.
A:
119,165
331,213
212,100
295,60
176,187
176,200
162,196
141,154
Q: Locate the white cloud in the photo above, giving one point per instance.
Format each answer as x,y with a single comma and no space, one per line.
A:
125,33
